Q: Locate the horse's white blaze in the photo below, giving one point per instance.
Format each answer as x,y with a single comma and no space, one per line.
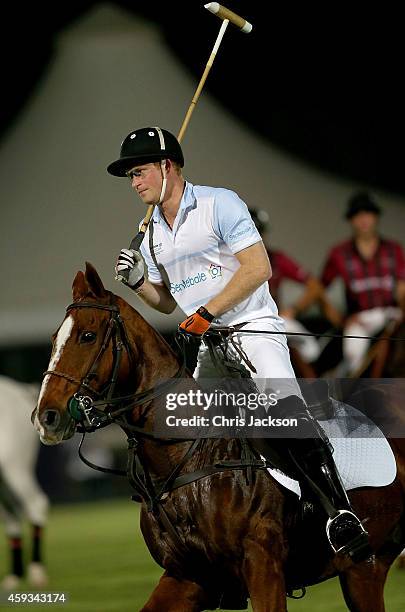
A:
61,339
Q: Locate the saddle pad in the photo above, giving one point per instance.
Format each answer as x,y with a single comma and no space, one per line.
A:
361,453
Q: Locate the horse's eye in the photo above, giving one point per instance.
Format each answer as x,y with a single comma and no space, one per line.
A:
87,337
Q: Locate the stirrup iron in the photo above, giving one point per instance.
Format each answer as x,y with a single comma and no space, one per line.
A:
358,548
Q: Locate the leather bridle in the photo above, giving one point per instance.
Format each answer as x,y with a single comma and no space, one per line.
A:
92,414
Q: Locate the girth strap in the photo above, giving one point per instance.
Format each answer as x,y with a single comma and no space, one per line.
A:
141,481
217,468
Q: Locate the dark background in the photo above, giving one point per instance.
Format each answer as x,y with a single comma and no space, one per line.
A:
323,83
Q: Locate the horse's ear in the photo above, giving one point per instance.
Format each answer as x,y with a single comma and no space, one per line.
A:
94,281
80,287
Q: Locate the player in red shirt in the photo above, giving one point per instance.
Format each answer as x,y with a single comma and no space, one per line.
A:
373,272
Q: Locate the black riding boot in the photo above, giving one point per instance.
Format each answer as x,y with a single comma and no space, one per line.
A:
312,459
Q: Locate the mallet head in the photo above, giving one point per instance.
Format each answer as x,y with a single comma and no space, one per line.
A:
223,13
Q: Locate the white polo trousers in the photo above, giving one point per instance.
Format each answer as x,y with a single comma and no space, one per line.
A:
369,322
268,354
308,346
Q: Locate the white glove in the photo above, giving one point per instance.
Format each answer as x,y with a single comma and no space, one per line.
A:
133,262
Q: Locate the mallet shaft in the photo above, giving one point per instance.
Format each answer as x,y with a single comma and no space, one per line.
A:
202,80
228,17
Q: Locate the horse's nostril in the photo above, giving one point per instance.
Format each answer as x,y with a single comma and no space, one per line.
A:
51,419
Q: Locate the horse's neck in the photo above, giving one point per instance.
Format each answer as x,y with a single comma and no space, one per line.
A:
155,362
155,358
162,458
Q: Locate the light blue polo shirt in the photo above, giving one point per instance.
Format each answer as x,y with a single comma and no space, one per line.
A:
198,254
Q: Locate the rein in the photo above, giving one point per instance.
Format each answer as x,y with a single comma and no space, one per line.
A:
235,328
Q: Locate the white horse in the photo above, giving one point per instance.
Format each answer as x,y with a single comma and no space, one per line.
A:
20,494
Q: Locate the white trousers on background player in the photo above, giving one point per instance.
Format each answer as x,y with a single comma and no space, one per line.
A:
367,323
308,346
268,354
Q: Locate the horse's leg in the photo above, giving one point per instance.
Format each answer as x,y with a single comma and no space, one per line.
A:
363,586
37,575
264,577
13,532
34,505
173,595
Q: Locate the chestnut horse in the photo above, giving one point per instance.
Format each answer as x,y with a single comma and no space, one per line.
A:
221,535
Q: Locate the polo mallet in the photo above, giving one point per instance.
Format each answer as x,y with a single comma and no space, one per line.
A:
227,17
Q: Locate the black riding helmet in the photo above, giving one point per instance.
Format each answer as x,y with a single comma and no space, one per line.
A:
361,201
146,145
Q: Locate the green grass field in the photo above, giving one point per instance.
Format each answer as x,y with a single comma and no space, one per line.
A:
96,555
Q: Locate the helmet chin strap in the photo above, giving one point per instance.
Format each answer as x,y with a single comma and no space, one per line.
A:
162,165
164,181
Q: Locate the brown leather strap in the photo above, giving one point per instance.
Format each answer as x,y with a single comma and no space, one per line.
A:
159,266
